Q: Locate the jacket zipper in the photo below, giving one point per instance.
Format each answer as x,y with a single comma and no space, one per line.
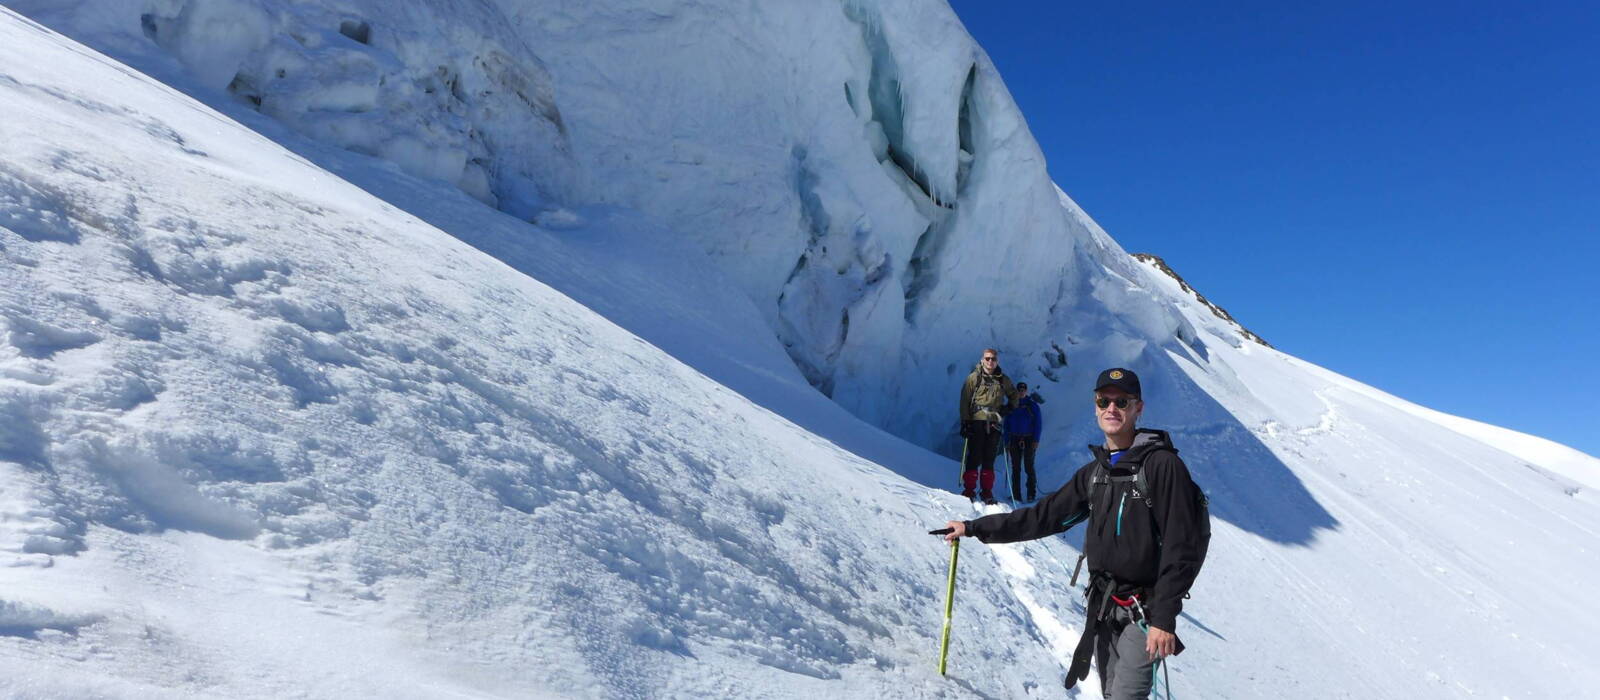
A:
1120,507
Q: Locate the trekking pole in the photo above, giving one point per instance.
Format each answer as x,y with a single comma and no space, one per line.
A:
1012,481
1011,491
961,469
949,598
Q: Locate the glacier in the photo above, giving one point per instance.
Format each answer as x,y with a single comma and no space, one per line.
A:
607,350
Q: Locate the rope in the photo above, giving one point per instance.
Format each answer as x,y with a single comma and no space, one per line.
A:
1159,668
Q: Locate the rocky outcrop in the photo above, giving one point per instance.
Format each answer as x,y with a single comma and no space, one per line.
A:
1159,264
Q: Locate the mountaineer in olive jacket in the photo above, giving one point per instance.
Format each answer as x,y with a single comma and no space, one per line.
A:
986,398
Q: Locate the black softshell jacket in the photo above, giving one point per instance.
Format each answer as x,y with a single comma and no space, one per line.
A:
1159,549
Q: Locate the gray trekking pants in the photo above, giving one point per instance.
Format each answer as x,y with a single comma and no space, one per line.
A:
1119,652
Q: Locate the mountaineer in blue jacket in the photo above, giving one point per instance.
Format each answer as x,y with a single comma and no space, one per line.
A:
1022,428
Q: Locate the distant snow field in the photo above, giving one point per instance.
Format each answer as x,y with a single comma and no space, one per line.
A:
609,349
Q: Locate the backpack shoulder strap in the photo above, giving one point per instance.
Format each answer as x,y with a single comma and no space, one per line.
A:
1097,482
1141,482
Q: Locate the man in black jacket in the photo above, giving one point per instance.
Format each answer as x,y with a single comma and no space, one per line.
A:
1148,530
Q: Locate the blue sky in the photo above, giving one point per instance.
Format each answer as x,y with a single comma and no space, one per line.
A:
1405,193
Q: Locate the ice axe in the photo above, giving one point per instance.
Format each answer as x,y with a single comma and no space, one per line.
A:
949,596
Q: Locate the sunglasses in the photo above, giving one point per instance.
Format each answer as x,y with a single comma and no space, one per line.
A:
990,359
1120,401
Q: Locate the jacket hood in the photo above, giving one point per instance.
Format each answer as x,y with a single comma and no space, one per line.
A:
1144,440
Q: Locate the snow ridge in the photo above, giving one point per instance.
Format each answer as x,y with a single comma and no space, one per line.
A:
1161,265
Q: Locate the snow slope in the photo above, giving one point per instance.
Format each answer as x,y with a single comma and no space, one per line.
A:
317,421
269,435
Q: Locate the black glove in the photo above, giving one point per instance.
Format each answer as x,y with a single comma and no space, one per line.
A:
968,429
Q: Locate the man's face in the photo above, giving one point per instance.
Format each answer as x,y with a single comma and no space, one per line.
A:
1114,419
1022,391
990,361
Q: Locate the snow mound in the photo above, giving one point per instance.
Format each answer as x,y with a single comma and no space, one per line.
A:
25,619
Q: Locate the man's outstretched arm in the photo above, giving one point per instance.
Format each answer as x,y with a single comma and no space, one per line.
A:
1055,513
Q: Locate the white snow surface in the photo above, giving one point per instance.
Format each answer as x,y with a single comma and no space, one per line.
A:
360,349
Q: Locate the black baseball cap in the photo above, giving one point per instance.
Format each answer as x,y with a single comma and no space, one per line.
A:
1120,378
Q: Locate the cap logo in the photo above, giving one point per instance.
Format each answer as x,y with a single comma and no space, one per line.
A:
1115,374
